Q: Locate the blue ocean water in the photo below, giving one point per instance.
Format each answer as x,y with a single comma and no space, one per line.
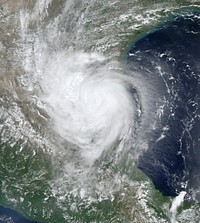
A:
169,59
8,215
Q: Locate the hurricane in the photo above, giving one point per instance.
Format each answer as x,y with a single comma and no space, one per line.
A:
99,111
90,107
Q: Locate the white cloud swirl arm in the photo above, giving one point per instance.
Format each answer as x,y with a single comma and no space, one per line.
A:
90,107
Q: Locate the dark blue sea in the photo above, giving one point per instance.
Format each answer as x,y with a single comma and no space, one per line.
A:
168,58
10,216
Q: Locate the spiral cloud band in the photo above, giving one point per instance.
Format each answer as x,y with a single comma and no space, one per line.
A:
91,107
